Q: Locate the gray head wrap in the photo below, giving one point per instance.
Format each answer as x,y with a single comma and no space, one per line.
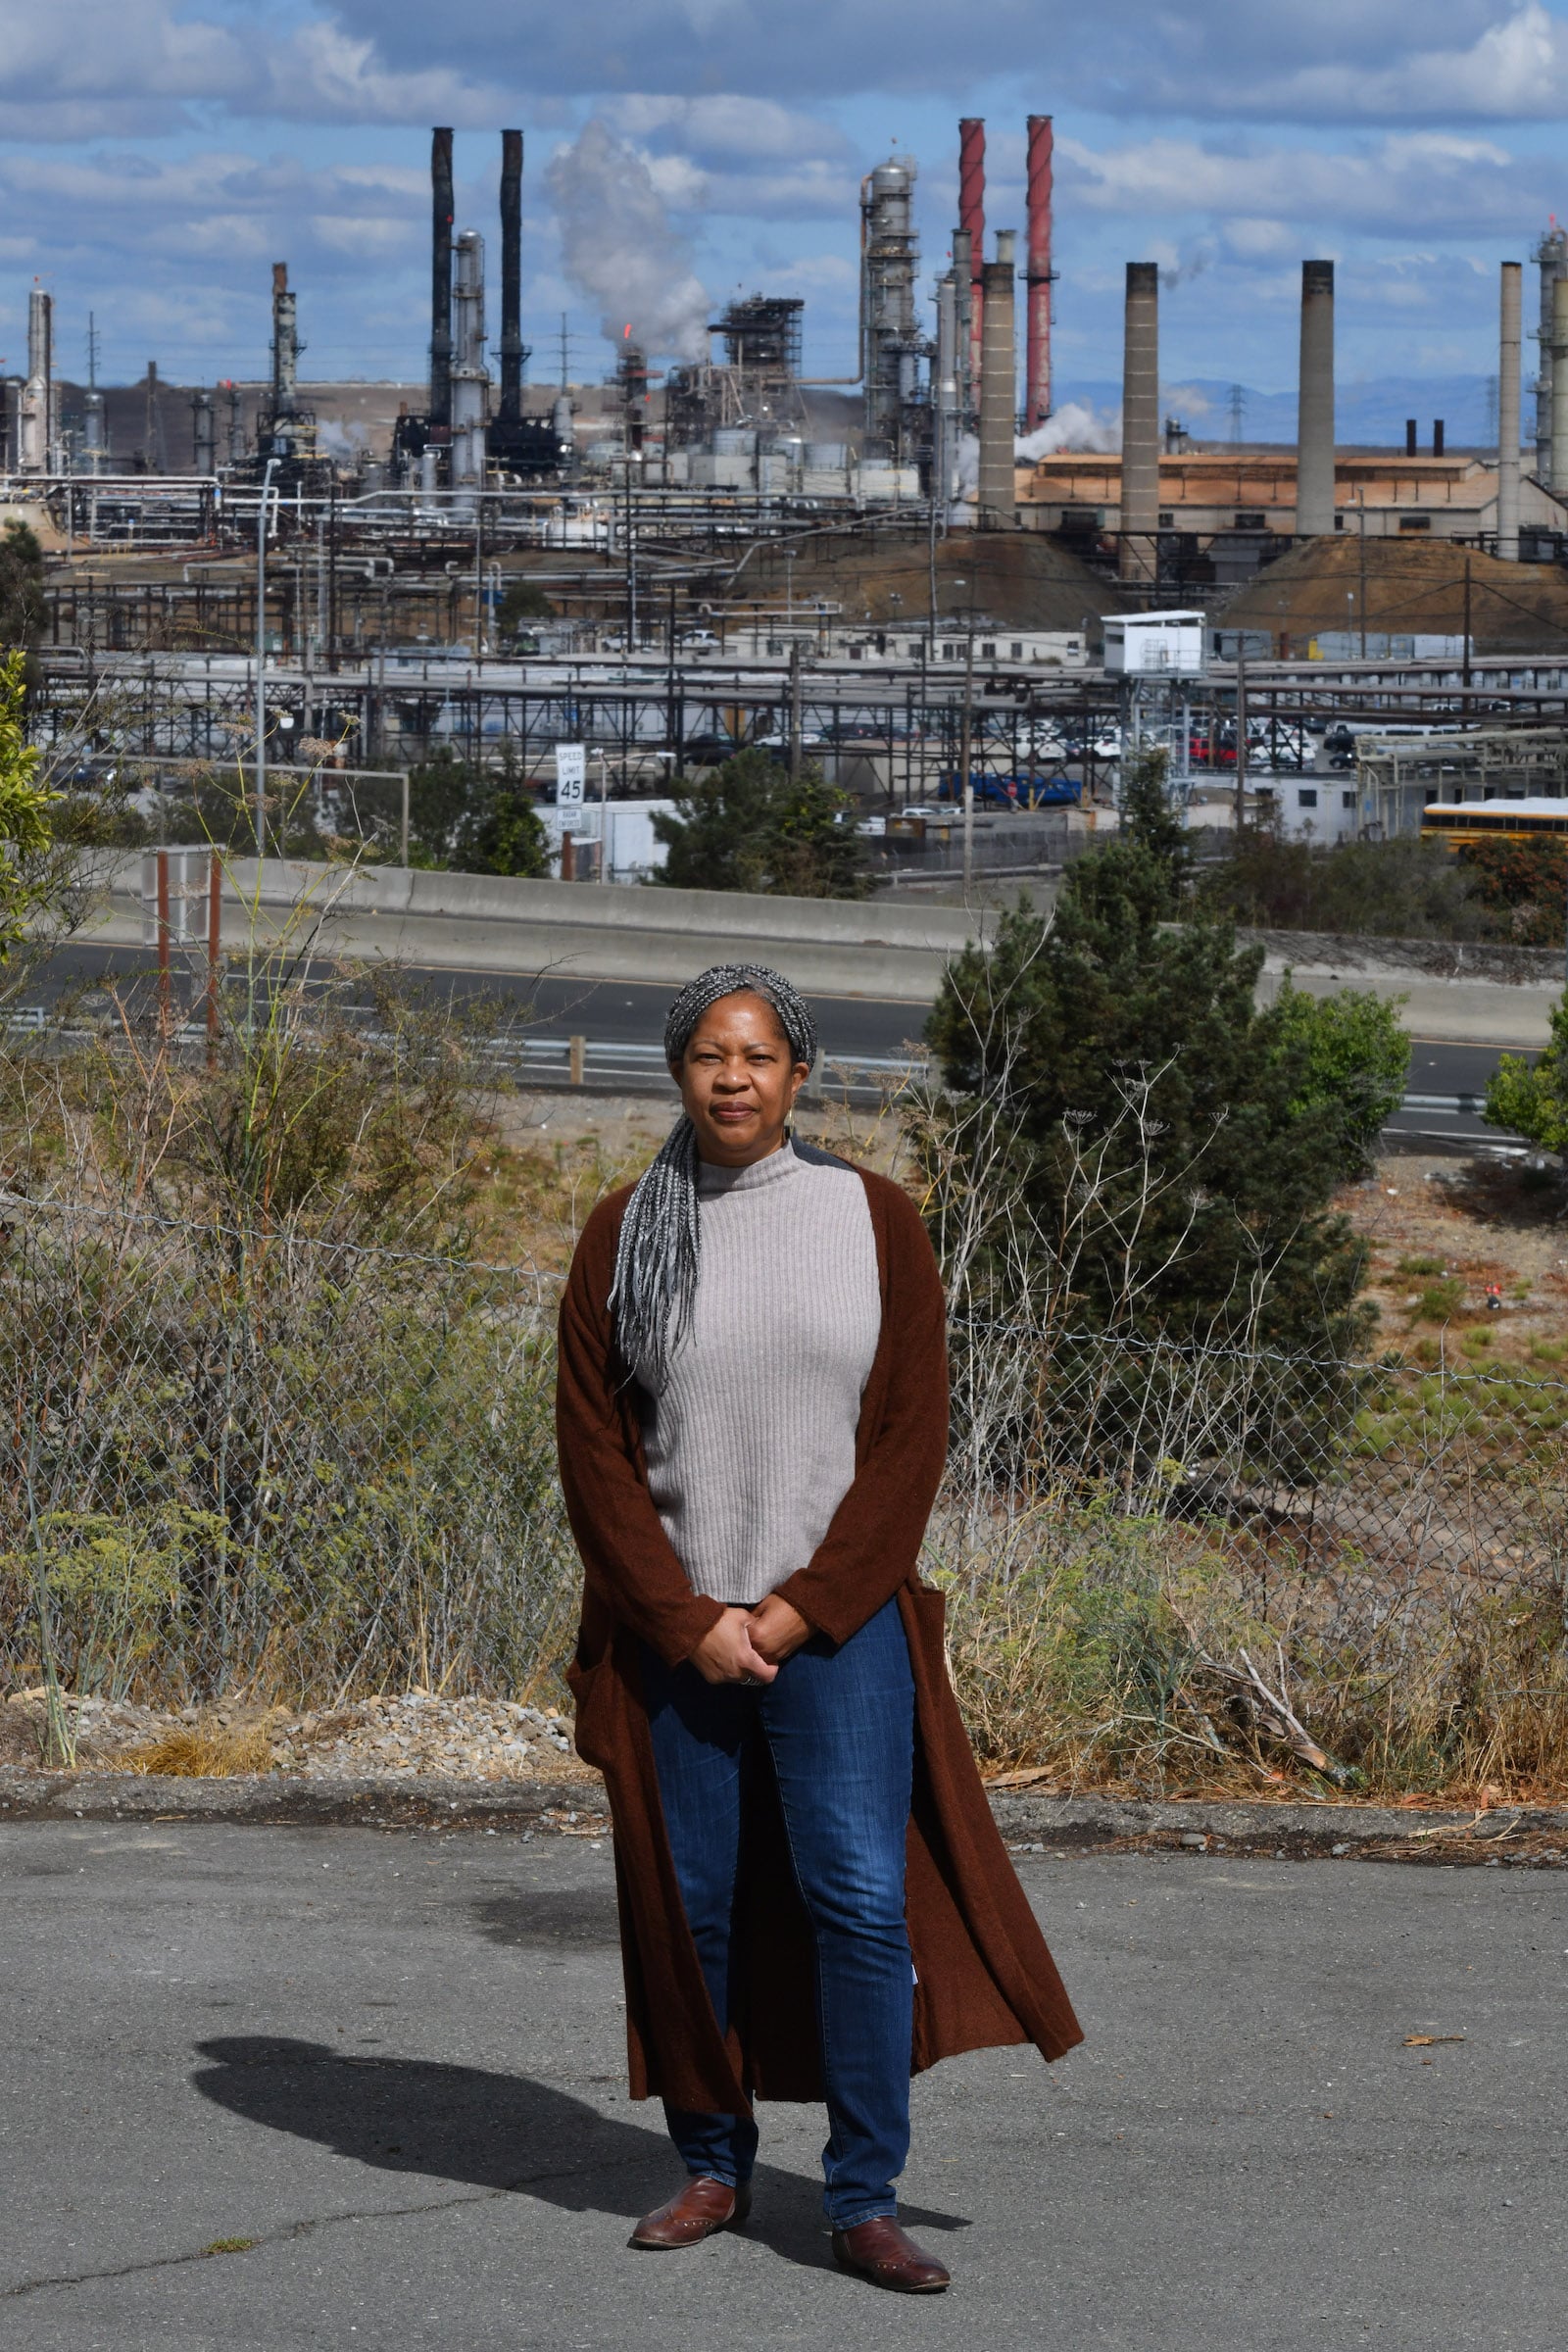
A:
655,1256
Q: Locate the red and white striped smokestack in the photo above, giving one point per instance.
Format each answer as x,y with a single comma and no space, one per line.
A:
1036,376
972,216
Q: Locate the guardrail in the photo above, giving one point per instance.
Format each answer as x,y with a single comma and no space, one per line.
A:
602,1063
545,1060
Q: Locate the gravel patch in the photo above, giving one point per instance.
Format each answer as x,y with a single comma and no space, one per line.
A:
411,1736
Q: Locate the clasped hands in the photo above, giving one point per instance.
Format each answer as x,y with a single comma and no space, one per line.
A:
750,1645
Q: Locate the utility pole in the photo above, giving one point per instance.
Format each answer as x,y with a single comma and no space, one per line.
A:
1467,630
794,708
1240,738
331,575
261,669
478,578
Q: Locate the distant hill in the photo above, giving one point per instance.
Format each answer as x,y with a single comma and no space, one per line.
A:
1371,411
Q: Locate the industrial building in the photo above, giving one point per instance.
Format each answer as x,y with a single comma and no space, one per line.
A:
1237,507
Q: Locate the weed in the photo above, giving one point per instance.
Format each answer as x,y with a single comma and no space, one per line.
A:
205,1750
1440,1302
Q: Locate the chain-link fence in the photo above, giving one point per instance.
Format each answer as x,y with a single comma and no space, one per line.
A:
241,1460
1431,1459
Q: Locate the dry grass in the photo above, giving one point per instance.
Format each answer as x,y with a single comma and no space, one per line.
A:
1091,1650
206,1750
1441,1232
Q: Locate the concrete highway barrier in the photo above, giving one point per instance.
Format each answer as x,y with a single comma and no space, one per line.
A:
881,948
894,949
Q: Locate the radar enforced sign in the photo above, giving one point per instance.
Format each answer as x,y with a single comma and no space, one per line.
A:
571,774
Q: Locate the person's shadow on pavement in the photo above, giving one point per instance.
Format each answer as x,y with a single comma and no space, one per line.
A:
489,2130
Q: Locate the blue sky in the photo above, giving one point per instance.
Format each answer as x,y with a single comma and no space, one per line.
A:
158,155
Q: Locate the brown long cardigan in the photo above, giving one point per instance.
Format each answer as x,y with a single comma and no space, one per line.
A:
984,1976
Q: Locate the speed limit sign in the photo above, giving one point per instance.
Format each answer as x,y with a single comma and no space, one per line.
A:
571,774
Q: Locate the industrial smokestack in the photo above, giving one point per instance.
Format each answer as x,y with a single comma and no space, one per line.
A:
1140,425
1509,332
441,277
963,323
1411,433
1558,350
972,222
34,436
1037,366
945,395
1314,416
511,351
1437,436
999,392
286,345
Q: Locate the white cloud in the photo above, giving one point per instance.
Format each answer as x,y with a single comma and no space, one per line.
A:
121,68
1513,70
726,127
1434,180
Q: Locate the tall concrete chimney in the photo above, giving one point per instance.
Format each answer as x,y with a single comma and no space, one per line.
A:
999,393
944,394
35,421
1037,366
441,277
511,346
1314,416
1140,425
1508,411
1559,387
963,321
973,220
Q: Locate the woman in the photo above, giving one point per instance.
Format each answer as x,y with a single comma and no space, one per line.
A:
752,1413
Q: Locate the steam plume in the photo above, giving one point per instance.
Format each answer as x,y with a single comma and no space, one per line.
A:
620,248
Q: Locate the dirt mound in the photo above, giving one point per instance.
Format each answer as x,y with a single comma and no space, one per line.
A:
1021,579
1407,586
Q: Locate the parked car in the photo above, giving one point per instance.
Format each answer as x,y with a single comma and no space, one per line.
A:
1014,792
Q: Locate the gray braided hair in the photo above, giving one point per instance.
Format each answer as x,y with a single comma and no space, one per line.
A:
655,1254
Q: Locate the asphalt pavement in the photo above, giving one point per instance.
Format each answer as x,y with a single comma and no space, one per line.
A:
282,2089
633,1013
625,1012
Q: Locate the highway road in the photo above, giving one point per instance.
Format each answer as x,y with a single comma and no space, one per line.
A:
625,1010
851,1027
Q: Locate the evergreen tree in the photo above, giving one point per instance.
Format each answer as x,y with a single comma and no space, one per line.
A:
718,836
1149,823
1532,1098
750,826
814,851
504,834
1127,1052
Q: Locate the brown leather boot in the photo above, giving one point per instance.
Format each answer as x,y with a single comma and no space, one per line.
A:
888,2256
703,2206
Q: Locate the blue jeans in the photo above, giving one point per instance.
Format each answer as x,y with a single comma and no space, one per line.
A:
840,1728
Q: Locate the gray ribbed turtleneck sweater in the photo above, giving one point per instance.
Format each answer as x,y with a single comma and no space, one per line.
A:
750,1448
